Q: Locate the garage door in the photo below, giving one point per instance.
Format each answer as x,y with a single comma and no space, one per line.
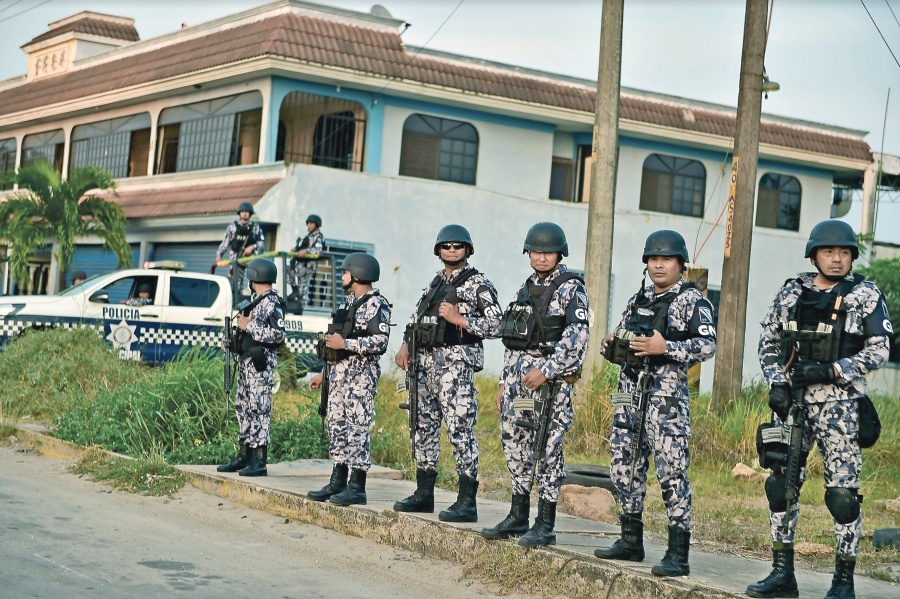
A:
97,260
198,257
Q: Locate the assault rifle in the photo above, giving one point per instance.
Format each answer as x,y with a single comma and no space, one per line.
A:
412,385
639,400
231,348
326,386
543,411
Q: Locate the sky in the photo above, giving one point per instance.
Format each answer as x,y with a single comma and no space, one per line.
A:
828,56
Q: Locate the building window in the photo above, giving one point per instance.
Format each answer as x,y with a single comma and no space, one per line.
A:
561,173
212,134
441,149
321,130
116,145
7,159
778,202
673,185
49,146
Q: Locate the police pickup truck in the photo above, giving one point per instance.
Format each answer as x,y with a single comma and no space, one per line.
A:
184,309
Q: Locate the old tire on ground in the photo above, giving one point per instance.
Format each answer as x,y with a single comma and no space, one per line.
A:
589,475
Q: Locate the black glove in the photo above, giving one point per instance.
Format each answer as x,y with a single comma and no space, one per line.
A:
804,374
780,400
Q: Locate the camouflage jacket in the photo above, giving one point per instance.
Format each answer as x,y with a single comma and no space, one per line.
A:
867,316
373,317
267,321
256,233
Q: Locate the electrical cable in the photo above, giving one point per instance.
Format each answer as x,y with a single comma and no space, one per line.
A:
879,32
892,12
10,6
22,12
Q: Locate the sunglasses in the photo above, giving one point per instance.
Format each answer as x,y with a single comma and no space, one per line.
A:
452,246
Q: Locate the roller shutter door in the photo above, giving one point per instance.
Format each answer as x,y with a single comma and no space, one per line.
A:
97,260
198,257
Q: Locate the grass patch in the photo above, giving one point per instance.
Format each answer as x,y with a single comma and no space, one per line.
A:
148,475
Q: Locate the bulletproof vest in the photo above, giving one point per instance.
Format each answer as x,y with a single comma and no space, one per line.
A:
242,236
434,331
343,323
243,342
525,324
647,315
815,325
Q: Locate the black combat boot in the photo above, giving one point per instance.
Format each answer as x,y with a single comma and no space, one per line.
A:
337,484
542,532
631,546
675,561
423,499
257,464
516,523
294,295
781,582
842,581
464,508
237,462
355,493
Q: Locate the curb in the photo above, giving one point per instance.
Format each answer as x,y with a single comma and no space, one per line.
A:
564,572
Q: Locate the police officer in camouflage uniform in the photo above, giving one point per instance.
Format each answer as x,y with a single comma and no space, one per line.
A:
307,250
261,322
545,331
242,238
358,335
850,315
456,312
666,327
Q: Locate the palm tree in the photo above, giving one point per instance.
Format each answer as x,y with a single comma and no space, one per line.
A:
47,207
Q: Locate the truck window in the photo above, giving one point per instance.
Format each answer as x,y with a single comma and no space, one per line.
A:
192,293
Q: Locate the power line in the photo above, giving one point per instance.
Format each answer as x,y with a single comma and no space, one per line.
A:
892,11
879,31
22,12
10,6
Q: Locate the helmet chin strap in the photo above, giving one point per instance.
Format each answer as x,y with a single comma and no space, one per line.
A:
350,284
454,262
832,278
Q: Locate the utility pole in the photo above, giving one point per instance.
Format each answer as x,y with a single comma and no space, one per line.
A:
604,164
739,227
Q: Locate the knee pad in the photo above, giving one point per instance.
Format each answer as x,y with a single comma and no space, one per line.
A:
843,504
776,488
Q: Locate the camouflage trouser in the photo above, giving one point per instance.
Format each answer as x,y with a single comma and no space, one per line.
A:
446,392
518,441
351,409
833,426
666,439
300,273
253,400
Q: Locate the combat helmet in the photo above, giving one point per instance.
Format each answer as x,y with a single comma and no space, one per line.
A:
546,237
665,243
245,207
453,233
832,233
362,267
261,270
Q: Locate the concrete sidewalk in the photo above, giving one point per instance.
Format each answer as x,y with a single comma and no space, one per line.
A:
574,571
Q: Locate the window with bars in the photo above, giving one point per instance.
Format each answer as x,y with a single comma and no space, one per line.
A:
49,146
673,185
778,202
321,130
437,148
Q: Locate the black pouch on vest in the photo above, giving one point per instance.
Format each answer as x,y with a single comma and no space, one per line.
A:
258,357
869,423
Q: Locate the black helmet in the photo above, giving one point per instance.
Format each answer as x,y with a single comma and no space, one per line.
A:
144,288
245,207
453,233
314,218
665,243
832,233
261,270
362,266
546,237
79,274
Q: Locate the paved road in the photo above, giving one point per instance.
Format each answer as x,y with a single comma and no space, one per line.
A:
62,536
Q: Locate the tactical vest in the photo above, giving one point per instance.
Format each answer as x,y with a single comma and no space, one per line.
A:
815,325
525,324
647,315
432,329
243,236
243,343
344,324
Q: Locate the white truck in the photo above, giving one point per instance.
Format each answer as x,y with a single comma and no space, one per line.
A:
186,309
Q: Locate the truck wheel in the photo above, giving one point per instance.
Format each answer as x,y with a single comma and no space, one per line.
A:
589,475
276,383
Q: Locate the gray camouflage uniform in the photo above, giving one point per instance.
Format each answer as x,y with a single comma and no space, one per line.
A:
569,300
225,248
668,422
301,270
253,400
353,382
832,415
446,377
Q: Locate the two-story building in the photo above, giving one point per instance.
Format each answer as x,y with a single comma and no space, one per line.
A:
300,108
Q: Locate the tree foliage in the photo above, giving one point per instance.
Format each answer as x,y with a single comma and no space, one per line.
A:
885,272
47,207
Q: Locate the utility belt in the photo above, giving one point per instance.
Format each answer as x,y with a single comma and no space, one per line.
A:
435,331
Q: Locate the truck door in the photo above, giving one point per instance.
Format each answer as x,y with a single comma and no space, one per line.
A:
193,314
129,322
